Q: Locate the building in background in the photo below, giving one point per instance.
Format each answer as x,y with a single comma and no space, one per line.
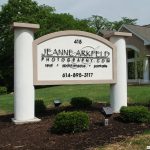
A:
138,53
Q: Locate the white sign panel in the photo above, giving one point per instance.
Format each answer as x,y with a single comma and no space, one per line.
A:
73,59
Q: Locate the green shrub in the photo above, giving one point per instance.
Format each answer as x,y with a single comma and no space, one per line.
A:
81,102
39,106
135,114
67,122
3,90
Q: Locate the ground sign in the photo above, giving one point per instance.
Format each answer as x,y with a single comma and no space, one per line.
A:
73,57
66,57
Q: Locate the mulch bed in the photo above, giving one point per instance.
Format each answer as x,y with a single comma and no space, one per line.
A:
37,136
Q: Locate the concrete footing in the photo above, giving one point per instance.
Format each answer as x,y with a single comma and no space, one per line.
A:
17,122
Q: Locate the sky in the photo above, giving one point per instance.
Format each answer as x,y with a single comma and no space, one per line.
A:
113,10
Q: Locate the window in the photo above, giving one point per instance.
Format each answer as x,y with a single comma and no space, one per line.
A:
139,66
131,70
130,54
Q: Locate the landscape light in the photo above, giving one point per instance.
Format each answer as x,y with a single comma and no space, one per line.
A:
57,103
107,112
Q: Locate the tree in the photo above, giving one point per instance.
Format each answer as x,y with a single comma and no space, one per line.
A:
117,24
29,11
15,10
99,23
58,22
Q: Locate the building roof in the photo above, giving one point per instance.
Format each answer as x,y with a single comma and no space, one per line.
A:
103,32
148,25
143,32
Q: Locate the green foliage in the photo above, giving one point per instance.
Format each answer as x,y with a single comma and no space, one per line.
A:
135,114
39,106
139,67
59,22
147,131
99,23
3,90
81,102
67,122
29,11
124,20
15,10
135,69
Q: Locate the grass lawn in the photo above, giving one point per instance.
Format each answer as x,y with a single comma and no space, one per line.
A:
99,93
138,142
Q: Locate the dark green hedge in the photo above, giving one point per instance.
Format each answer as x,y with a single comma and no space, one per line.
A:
39,106
3,90
81,102
138,114
67,122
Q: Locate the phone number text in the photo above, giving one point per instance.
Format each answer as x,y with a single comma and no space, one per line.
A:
79,75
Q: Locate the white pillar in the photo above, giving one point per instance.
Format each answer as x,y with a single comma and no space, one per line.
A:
146,70
24,95
118,91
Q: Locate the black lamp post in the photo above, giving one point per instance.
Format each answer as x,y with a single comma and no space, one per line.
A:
107,112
